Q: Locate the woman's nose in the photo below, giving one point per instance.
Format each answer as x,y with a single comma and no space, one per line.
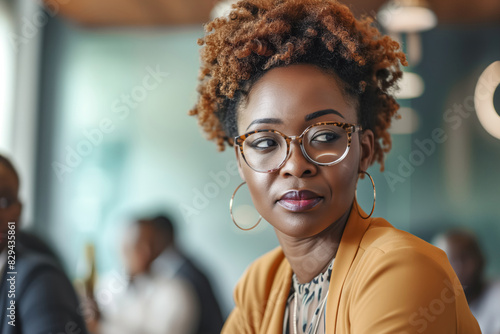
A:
297,164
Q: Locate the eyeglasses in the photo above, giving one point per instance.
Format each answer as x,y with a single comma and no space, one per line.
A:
5,203
323,143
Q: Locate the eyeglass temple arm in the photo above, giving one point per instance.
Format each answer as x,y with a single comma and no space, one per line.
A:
357,127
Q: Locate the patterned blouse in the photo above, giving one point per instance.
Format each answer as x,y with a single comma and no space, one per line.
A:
310,306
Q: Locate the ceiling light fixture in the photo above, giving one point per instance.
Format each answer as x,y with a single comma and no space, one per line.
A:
483,99
411,86
407,16
407,124
222,8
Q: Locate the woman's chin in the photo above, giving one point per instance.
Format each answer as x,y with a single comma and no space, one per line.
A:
300,229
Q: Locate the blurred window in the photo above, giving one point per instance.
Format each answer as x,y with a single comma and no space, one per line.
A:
7,66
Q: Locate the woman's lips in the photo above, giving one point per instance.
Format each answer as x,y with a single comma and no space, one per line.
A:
298,201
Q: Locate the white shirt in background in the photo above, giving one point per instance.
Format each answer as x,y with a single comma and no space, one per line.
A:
486,309
155,303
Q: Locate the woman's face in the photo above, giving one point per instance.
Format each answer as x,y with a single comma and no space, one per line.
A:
287,99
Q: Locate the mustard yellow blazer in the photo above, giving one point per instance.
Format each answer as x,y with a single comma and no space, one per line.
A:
384,280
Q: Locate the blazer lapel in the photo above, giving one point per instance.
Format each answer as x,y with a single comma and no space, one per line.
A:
276,305
348,248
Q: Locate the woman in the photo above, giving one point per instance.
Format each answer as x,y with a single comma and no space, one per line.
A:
301,90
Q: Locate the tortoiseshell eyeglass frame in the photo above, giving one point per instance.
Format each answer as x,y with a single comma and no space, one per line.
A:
349,129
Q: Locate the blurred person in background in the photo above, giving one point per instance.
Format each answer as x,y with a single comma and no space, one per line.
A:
37,298
468,261
30,240
167,293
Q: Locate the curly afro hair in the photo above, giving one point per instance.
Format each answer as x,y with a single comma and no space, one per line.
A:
260,35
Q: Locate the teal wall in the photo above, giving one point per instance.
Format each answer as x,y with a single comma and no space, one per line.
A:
150,155
458,184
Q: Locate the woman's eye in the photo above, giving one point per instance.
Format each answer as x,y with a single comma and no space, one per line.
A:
264,143
325,137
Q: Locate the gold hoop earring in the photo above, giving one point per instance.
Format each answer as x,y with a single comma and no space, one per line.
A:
231,211
374,196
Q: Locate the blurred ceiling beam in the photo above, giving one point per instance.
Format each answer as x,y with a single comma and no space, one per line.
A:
96,13
99,13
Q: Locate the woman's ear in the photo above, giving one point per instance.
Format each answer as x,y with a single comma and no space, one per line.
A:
367,144
239,159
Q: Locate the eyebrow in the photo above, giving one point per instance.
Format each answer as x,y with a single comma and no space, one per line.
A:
320,113
266,121
308,117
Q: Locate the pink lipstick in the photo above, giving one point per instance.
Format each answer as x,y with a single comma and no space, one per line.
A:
299,201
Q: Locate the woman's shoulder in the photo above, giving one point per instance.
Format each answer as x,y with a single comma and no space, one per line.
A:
264,274
382,237
271,264
384,246
400,281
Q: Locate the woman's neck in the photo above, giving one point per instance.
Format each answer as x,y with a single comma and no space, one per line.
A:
311,256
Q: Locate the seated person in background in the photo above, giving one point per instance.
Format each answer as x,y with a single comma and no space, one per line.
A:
29,240
37,298
211,319
167,294
467,259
